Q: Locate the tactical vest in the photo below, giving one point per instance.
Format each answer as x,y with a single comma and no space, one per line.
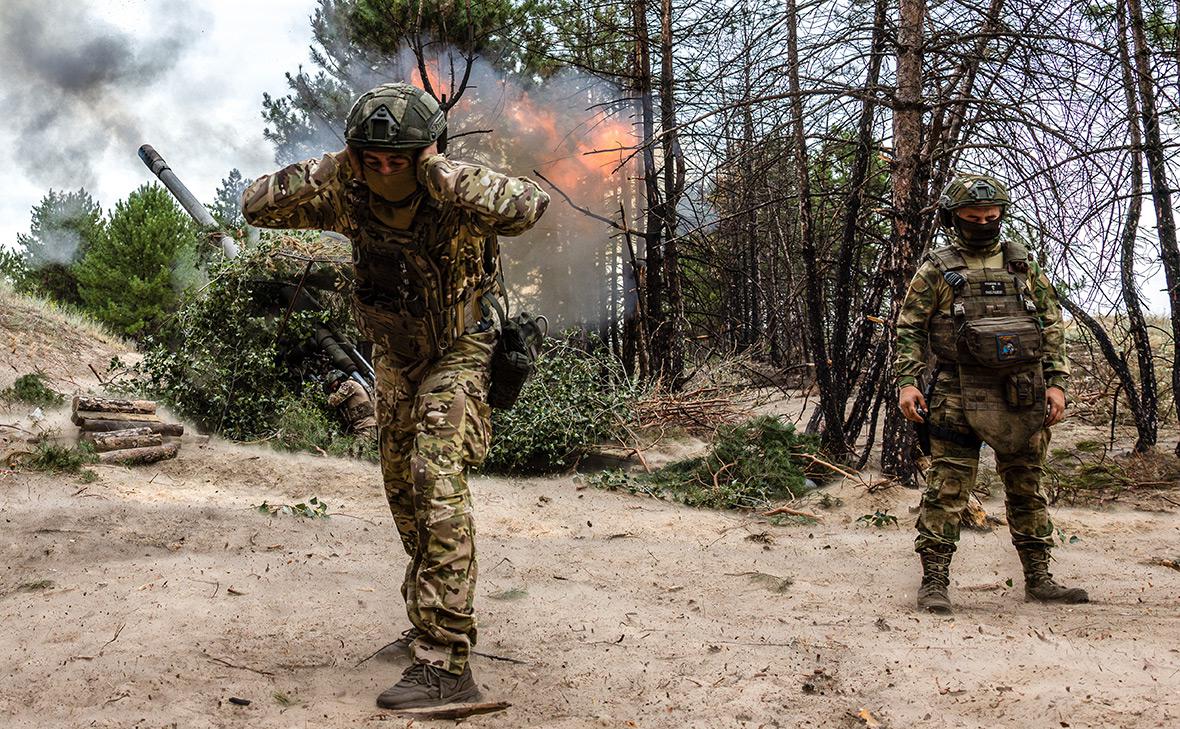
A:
417,290
993,336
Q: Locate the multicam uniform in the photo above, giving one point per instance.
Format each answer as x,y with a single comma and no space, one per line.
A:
417,297
357,407
956,400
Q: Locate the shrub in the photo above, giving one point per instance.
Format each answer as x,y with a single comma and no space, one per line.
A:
575,400
32,390
749,466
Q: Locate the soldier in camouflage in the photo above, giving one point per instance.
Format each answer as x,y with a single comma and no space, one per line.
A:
352,399
424,238
989,316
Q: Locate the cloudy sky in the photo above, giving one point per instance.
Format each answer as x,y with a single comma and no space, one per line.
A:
83,84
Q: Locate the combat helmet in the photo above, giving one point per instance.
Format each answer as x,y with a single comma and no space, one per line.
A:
969,189
395,116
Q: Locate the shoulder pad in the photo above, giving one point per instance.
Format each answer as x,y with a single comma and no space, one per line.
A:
946,258
1016,257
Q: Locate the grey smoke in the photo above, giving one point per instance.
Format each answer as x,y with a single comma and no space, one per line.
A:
69,78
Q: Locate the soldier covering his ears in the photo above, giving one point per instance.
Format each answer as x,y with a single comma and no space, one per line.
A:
988,314
423,229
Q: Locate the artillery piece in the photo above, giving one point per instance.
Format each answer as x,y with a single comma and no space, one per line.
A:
343,355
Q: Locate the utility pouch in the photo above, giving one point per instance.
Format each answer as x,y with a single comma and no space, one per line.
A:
515,353
1001,342
1020,390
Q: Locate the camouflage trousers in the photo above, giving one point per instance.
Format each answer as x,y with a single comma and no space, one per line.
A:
433,424
951,477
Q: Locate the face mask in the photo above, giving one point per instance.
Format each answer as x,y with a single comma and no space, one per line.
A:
978,235
396,188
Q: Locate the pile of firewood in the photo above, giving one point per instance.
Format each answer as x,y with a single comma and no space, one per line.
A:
126,432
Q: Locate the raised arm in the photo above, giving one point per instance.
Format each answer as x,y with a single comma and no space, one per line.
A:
303,195
507,205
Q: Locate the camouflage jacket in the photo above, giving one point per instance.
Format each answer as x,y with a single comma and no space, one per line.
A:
416,290
357,405
929,294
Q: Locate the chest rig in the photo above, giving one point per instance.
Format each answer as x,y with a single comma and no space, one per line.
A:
992,334
417,290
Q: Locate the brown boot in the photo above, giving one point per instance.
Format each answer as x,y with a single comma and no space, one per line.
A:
424,685
1039,585
936,567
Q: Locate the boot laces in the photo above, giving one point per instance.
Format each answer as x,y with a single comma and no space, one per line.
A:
420,674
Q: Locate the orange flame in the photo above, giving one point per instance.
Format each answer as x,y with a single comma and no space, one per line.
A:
585,153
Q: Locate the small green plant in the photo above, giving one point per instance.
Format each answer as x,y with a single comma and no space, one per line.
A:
878,519
313,508
31,389
35,586
283,699
827,501
307,423
1067,539
55,458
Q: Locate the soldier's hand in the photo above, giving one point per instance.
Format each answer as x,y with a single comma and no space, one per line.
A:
1054,406
354,161
425,154
911,400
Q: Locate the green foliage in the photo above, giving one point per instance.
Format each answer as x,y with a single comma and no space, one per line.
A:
32,390
308,424
878,519
313,508
1067,538
575,400
54,458
217,361
130,277
63,227
749,466
227,201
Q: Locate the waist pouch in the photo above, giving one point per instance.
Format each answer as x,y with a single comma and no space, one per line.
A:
1001,342
514,357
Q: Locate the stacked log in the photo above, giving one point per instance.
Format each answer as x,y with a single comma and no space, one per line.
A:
127,432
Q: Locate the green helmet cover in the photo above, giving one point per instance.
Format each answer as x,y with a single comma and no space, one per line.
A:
966,190
394,116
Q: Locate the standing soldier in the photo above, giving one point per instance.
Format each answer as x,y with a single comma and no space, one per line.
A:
991,320
352,399
423,229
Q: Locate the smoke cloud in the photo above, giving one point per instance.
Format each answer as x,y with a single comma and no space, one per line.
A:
70,78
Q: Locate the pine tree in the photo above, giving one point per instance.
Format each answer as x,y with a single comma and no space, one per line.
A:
128,278
227,201
63,226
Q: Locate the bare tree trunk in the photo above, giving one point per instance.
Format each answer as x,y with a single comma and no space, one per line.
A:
1145,408
673,330
1161,194
908,185
653,248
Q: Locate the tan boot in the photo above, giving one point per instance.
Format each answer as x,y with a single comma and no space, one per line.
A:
422,685
936,567
1039,585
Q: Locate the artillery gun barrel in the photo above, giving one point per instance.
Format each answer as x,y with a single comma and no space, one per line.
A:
187,200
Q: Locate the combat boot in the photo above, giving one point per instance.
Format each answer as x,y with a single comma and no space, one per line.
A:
936,568
1039,585
423,685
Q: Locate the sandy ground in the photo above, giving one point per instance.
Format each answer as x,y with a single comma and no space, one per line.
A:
170,594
